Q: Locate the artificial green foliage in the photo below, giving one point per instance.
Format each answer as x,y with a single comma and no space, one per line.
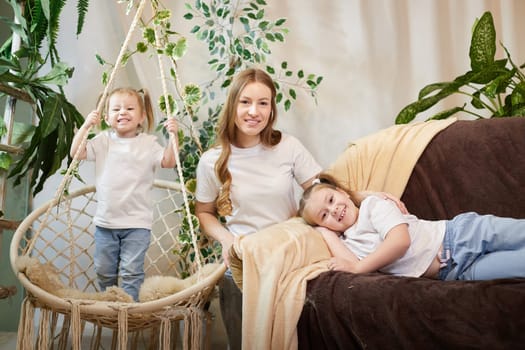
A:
34,74
82,8
238,35
494,87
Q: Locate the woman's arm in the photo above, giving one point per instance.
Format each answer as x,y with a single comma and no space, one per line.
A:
210,225
359,196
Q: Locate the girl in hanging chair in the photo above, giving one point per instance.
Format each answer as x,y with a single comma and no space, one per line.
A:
126,160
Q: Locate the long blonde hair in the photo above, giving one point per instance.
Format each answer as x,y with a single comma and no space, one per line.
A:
144,99
227,130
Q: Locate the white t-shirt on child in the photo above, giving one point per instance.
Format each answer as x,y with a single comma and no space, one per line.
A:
124,174
377,216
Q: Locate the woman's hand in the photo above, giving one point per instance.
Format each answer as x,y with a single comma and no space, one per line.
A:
226,245
402,207
385,195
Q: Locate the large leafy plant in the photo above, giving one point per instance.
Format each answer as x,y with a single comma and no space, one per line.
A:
494,88
31,72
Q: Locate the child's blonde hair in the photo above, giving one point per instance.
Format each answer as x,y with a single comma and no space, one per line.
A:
322,181
144,99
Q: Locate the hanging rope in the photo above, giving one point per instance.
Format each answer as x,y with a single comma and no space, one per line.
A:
74,163
173,139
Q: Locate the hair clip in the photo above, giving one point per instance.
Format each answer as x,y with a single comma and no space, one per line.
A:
316,181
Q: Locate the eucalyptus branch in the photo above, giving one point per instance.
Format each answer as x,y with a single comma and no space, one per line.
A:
178,85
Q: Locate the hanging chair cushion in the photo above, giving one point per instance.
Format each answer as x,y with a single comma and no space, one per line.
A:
46,276
157,287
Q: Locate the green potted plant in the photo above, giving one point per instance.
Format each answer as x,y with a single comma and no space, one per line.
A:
494,87
31,72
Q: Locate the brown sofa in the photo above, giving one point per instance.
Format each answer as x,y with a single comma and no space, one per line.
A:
469,166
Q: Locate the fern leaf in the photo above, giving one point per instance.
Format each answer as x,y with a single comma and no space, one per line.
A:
37,23
82,8
55,7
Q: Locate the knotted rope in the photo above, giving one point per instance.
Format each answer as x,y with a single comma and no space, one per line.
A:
173,138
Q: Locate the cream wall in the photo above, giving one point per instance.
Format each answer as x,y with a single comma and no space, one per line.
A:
374,55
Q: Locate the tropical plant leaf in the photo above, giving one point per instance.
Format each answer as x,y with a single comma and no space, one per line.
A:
447,113
483,43
59,75
5,160
408,113
21,76
487,83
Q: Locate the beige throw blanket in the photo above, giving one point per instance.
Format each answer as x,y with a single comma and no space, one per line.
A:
276,264
384,160
273,265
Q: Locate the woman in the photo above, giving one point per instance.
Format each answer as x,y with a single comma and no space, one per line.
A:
249,178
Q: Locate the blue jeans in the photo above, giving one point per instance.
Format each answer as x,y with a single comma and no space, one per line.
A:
483,247
121,252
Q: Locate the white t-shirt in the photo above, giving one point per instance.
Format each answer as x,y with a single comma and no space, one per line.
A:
124,174
376,217
263,179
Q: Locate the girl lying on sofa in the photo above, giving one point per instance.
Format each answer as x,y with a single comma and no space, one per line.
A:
378,237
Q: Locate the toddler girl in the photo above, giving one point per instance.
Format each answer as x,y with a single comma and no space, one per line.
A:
125,163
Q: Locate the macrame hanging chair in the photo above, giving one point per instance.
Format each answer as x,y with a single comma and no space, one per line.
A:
59,234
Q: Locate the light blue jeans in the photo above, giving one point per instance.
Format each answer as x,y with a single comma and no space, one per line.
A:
121,252
483,247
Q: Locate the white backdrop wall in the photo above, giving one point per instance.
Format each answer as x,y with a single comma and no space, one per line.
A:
374,55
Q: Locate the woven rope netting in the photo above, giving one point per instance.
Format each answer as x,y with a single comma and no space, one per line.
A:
60,234
66,242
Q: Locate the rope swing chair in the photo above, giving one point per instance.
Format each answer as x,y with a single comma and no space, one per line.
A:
51,254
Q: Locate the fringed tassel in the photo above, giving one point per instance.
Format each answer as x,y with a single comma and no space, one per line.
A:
186,341
76,325
165,333
123,328
207,335
44,329
135,339
64,333
53,326
97,337
196,328
25,326
153,338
